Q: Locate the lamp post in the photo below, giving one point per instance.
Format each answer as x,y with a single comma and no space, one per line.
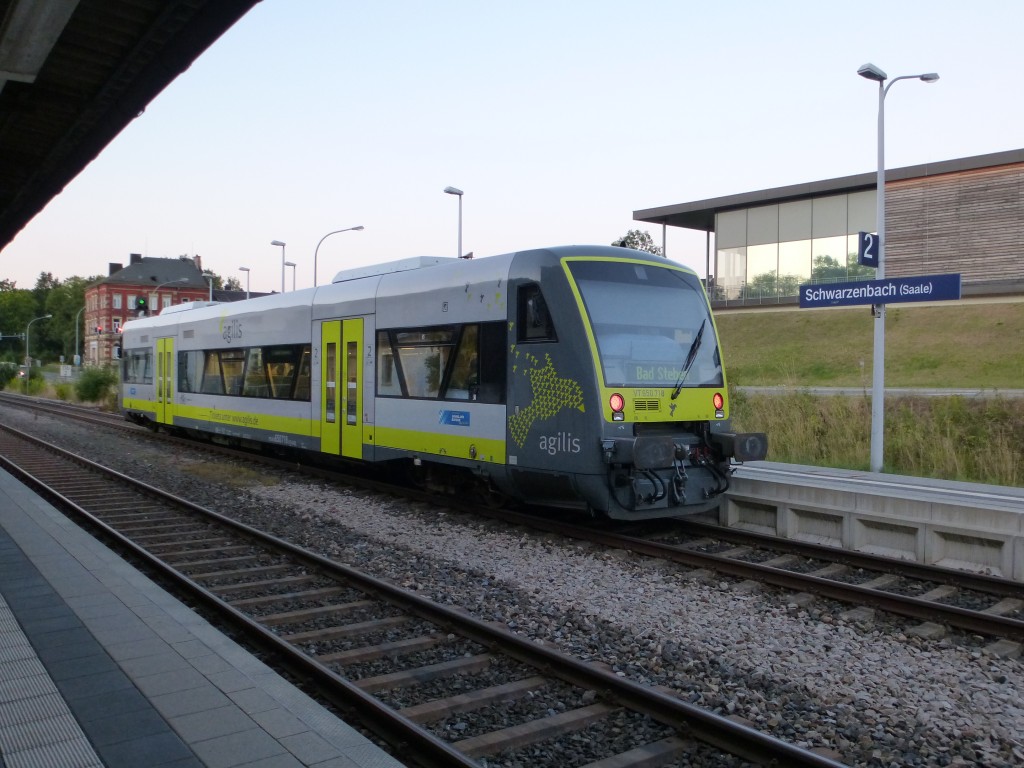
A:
156,310
278,242
78,352
246,270
292,265
315,252
458,192
28,357
871,72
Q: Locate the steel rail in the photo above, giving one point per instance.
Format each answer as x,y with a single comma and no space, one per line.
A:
973,621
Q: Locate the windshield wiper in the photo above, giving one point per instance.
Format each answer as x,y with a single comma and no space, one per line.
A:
690,357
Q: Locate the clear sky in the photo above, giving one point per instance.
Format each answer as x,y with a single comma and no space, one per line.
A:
557,120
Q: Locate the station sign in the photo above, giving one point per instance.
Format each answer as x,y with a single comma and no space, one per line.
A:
886,291
867,249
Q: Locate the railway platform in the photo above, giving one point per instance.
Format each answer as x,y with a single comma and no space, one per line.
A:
99,666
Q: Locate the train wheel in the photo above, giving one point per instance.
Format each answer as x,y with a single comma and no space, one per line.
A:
491,497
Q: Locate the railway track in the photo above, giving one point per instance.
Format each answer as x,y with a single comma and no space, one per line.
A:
971,602
968,601
428,678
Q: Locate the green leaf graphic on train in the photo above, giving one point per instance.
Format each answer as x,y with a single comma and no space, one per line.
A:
551,395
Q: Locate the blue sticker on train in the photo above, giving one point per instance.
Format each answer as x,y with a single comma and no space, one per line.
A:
455,418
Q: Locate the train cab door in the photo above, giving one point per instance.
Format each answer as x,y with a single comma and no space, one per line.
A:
341,428
164,379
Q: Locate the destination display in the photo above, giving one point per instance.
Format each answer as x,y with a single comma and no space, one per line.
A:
890,290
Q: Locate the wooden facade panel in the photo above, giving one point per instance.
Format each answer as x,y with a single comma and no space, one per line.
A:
970,222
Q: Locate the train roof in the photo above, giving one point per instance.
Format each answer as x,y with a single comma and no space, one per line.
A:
390,267
365,282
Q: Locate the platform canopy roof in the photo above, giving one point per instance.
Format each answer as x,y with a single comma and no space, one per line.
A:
74,73
700,214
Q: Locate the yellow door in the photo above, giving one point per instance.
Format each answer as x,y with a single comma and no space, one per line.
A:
164,380
341,394
351,403
330,360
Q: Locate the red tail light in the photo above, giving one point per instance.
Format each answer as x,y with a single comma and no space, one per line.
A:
718,401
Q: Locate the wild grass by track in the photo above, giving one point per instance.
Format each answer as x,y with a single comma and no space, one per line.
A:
955,346
969,345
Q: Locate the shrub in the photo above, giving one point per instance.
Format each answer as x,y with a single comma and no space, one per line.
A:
7,372
35,383
95,384
62,391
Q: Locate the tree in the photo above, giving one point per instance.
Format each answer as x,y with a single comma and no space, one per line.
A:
232,284
218,282
760,286
64,303
640,241
17,309
828,268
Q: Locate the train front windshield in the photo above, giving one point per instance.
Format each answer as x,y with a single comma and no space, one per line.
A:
652,325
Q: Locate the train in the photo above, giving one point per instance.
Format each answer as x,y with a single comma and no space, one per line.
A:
586,378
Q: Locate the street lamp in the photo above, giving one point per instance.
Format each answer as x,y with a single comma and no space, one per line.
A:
454,191
278,242
315,252
171,282
292,265
246,270
28,357
156,290
871,72
78,352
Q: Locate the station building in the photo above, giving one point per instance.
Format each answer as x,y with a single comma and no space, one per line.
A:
961,216
146,284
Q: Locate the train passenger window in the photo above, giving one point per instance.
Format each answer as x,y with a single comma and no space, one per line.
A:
388,380
232,365
493,363
464,382
302,381
422,367
423,358
255,380
213,381
138,366
534,319
454,363
190,371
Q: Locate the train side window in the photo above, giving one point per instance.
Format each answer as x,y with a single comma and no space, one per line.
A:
464,382
302,382
422,366
255,381
493,362
423,355
185,364
534,319
138,366
478,369
281,370
388,380
232,363
213,382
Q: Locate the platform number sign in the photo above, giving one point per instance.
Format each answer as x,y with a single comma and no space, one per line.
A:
867,249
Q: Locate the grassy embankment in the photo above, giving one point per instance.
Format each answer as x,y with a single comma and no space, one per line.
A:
955,345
